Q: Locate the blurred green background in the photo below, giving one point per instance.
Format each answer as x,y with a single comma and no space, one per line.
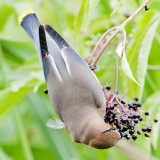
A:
25,109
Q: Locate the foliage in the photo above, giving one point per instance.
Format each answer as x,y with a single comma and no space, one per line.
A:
24,109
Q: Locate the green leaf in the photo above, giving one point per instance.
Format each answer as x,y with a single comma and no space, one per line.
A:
133,51
126,68
22,136
144,54
3,155
90,6
155,132
80,16
84,15
17,51
5,12
152,105
18,89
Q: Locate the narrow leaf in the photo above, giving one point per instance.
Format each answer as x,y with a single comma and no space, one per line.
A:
22,136
152,105
17,90
5,12
144,54
89,8
84,15
80,17
126,68
120,49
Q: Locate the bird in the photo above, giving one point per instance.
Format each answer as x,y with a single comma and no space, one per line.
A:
74,90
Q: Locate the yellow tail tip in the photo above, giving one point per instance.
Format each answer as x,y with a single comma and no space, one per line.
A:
22,16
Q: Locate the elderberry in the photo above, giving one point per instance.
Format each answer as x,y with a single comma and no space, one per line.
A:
125,116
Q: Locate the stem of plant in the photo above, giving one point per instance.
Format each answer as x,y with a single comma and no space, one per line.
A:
116,67
95,49
117,30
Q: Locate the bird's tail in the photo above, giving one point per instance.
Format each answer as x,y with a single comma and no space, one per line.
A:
30,23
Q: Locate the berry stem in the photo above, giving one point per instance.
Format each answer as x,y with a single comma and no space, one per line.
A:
116,74
116,67
105,45
117,30
98,43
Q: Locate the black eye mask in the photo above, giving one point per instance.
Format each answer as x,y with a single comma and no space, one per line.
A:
109,129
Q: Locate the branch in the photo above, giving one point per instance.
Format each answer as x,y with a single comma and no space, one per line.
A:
117,30
116,67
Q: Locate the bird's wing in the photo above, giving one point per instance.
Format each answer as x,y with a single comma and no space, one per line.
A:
76,67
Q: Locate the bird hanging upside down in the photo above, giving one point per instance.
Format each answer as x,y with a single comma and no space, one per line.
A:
74,91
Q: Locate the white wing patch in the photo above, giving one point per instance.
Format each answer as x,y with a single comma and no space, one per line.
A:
66,61
55,124
55,70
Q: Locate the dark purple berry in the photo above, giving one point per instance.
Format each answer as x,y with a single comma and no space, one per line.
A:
146,8
111,121
147,135
140,119
113,116
149,129
123,102
131,132
130,106
108,87
144,129
138,104
116,119
113,112
128,137
115,104
111,107
131,126
124,129
108,118
118,126
134,116
138,116
129,120
155,120
45,91
139,132
146,113
130,116
136,121
134,104
134,137
136,98
135,108
123,120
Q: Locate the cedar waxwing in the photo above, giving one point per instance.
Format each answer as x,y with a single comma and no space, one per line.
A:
74,91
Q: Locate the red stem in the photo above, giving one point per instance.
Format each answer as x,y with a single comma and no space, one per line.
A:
104,47
116,67
95,48
116,75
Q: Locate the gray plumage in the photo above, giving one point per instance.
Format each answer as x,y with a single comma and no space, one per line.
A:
74,90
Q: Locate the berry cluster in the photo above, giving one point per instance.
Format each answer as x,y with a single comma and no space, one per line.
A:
124,115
